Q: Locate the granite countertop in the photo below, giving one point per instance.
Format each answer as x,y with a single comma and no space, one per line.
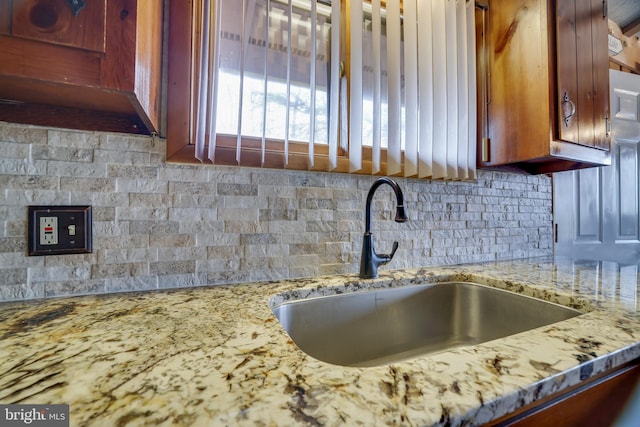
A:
218,356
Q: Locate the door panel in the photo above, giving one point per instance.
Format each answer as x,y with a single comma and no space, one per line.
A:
588,201
627,178
597,211
625,106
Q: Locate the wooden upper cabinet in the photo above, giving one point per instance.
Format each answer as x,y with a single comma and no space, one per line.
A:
97,68
546,76
583,89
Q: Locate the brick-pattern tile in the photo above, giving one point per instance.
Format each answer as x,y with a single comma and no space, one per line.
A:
160,225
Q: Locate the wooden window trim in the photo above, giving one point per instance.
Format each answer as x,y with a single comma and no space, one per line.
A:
179,82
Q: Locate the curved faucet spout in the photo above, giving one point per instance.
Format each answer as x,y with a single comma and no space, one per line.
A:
370,260
401,213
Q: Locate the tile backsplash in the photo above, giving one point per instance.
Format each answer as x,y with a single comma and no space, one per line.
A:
163,225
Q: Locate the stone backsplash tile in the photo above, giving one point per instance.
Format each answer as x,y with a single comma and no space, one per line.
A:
163,225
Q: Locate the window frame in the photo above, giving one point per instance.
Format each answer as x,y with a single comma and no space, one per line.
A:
179,107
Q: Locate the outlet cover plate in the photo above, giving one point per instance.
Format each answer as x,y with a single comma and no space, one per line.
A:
58,230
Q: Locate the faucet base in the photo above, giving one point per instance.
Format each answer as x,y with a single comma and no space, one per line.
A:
368,268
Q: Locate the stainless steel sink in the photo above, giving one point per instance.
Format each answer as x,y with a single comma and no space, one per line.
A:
374,328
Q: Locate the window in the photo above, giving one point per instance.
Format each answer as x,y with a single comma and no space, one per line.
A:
261,85
274,96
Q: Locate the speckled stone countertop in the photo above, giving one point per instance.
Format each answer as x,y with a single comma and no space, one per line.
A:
217,355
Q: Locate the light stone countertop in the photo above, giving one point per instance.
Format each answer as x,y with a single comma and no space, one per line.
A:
217,356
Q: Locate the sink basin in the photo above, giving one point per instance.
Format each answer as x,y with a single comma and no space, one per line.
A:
378,327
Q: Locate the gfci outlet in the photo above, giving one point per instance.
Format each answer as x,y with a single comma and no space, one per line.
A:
57,230
49,230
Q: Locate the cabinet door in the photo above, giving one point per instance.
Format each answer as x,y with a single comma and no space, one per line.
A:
582,72
53,21
600,25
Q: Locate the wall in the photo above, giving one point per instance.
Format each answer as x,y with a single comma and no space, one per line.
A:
160,225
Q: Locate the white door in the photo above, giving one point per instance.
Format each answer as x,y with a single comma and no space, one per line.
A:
597,210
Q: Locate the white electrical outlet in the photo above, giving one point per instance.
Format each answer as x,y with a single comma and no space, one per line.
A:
48,230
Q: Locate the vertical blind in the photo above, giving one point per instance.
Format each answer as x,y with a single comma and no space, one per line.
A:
270,82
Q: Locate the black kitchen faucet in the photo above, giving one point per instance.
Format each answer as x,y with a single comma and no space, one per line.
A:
370,260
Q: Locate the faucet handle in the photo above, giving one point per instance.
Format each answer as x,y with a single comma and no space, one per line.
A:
393,250
385,258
